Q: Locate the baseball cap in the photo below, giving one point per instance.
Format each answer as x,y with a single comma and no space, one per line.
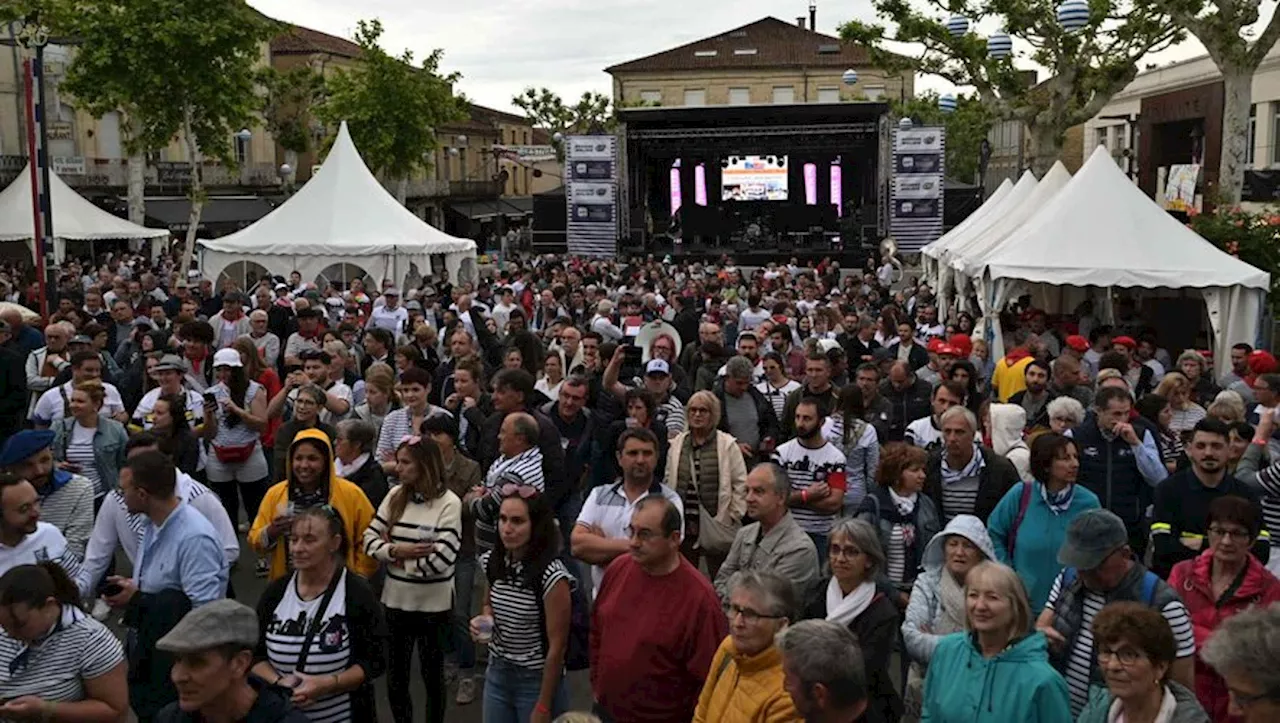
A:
227,358
1077,342
212,625
1091,537
24,445
934,345
962,344
413,306
657,366
947,350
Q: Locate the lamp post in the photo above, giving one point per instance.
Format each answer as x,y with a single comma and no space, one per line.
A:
31,35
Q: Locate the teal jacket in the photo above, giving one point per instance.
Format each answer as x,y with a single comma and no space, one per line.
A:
1187,708
1035,557
1016,686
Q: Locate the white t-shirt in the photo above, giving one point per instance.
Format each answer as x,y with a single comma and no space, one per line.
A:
143,414
749,319
608,508
923,434
339,390
51,405
806,467
330,649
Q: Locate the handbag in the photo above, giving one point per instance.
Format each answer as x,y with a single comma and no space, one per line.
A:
714,536
235,454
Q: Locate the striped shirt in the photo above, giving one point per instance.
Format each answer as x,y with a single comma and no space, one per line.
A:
1184,420
1269,480
69,508
671,414
241,434
608,508
777,396
330,649
960,487
806,467
896,555
518,630
1080,664
45,544
79,648
523,469
79,452
861,457
423,584
395,427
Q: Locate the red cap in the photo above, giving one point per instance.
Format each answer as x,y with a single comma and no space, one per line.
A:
1262,362
1125,341
934,345
1077,342
962,343
948,350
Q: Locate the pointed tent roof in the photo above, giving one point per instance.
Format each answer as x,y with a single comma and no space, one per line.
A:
74,217
1102,230
1017,196
966,256
933,249
342,210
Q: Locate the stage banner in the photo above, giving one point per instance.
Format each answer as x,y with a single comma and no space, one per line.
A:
917,187
591,192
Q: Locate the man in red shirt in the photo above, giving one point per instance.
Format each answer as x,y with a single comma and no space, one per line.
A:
656,625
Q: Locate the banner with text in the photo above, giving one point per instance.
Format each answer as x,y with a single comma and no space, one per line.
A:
916,189
591,192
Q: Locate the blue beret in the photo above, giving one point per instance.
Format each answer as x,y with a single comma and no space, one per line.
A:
25,444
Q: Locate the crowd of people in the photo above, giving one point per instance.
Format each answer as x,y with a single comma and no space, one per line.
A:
790,493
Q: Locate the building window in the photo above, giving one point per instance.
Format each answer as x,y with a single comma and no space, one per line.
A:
1100,136
695,97
739,96
873,92
242,150
784,94
1253,135
704,53
653,97
829,95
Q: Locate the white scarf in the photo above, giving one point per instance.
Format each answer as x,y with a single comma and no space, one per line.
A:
906,504
344,469
1168,705
844,609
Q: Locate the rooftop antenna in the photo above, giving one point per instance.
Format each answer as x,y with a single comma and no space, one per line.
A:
813,15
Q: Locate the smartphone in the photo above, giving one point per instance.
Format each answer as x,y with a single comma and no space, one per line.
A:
631,356
109,589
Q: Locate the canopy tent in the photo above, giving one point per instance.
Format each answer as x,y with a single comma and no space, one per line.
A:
1015,199
1102,231
929,254
341,218
74,217
967,254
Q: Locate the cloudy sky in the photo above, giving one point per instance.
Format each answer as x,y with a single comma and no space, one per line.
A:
503,46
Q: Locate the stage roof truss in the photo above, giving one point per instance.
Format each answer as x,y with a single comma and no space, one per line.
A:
866,128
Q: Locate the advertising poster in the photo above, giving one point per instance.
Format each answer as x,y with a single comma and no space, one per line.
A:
591,191
917,186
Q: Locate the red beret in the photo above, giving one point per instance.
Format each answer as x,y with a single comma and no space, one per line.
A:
1077,342
1262,362
1125,341
962,343
934,345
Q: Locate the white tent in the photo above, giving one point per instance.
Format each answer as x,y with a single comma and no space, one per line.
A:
74,217
1102,231
342,215
930,253
1016,197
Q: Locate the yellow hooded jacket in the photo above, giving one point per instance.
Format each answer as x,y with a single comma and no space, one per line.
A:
345,497
741,689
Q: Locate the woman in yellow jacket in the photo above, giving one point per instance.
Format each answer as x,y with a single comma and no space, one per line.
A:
744,684
310,480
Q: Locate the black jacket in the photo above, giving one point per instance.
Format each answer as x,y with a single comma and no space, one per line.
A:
371,479
905,406
152,616
876,630
1042,417
997,477
767,420
916,358
366,629
1180,510
272,706
856,350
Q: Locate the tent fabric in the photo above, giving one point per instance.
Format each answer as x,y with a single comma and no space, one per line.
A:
967,254
1015,199
342,215
932,250
74,217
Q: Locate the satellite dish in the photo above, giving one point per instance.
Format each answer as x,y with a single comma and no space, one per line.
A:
653,330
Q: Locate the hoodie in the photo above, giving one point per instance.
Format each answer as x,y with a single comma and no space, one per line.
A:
1007,423
922,610
1016,686
1009,376
346,498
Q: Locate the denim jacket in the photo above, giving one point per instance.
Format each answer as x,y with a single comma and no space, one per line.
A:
108,447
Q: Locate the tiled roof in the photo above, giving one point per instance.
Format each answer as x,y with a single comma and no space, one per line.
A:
767,43
297,40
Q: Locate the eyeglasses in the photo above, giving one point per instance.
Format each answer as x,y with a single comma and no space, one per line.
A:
1248,700
748,615
641,534
524,491
1127,656
848,553
1237,534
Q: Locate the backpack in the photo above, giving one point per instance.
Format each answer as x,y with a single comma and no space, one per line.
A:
1023,501
577,653
1149,581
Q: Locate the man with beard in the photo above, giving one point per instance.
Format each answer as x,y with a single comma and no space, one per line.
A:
65,499
816,469
1178,529
1035,399
24,538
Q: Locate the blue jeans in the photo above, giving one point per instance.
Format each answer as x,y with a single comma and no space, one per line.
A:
464,576
511,692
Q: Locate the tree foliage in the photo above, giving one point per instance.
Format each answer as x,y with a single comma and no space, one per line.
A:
1085,67
593,113
966,128
289,103
392,106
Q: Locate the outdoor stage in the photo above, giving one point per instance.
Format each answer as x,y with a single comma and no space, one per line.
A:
757,182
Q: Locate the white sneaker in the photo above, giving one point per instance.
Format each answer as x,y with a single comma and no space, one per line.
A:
101,610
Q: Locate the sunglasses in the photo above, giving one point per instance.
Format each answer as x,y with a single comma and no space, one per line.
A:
524,491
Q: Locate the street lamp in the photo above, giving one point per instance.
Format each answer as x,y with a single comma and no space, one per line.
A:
244,135
29,33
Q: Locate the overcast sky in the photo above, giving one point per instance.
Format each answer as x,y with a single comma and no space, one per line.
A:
503,46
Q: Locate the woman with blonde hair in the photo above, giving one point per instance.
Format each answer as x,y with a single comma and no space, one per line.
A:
1227,407
379,395
1177,389
995,666
706,468
89,443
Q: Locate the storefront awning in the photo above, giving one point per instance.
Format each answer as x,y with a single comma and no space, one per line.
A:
513,207
220,213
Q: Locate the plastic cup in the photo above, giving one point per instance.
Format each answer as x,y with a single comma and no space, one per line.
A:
427,535
484,629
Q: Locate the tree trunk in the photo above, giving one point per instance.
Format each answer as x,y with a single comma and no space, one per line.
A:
1237,95
402,190
1043,149
197,191
137,183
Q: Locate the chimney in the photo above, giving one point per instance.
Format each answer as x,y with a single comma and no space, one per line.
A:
800,22
813,15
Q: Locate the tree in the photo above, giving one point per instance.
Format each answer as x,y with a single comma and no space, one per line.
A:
967,127
1223,27
392,107
171,67
593,113
289,102
1086,66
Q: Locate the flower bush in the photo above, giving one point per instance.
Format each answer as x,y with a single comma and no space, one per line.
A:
1251,237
